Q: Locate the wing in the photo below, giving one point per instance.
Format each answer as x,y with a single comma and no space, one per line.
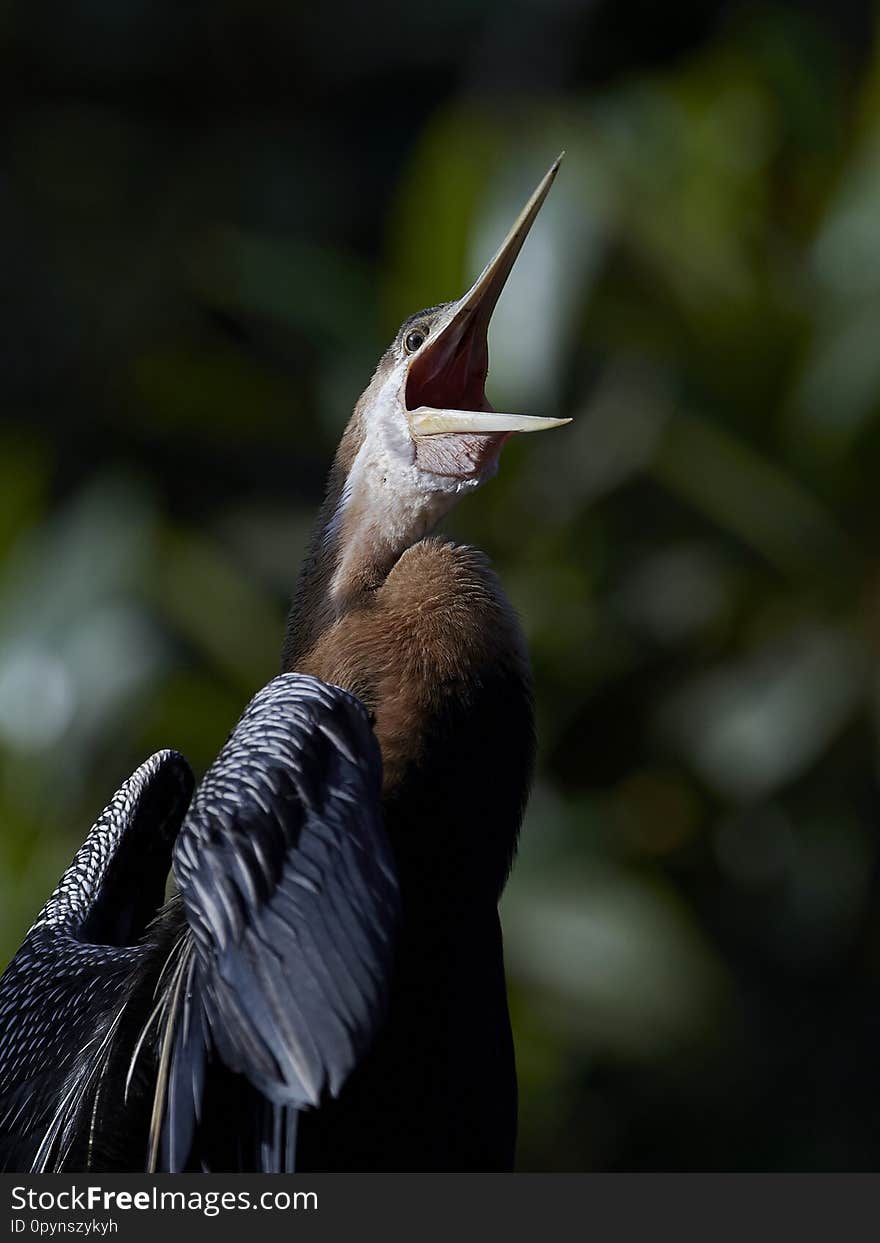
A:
60,996
289,890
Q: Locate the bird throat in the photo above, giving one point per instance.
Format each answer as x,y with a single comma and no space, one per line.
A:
352,550
379,502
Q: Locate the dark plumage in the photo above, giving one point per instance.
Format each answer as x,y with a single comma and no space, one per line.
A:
264,980
327,987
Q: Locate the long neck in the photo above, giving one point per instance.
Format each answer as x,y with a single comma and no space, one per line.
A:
346,563
421,631
370,516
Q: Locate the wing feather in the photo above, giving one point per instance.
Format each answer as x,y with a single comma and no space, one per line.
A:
289,888
62,996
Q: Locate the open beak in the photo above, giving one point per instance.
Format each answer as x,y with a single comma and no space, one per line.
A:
445,389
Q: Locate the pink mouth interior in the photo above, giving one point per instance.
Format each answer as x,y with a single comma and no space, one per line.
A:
450,374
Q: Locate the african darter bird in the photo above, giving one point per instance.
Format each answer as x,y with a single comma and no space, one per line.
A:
325,990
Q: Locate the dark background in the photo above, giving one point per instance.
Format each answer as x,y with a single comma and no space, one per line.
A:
212,218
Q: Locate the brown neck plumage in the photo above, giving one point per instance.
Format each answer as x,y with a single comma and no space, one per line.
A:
431,646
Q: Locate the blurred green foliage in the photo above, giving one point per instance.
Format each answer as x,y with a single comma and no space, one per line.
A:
212,229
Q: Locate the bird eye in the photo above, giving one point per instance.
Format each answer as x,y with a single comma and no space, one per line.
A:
414,340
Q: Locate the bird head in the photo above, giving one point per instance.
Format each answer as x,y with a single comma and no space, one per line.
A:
423,432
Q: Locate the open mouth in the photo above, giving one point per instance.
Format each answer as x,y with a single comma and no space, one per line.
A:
449,372
446,384
446,401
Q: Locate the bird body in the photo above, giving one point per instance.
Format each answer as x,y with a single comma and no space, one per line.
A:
440,660
326,989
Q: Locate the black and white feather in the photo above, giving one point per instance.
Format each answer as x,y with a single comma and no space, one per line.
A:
262,982
60,998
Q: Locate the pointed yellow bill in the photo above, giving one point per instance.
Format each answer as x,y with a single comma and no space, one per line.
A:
428,421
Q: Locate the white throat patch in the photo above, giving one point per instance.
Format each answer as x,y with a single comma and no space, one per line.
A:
387,503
